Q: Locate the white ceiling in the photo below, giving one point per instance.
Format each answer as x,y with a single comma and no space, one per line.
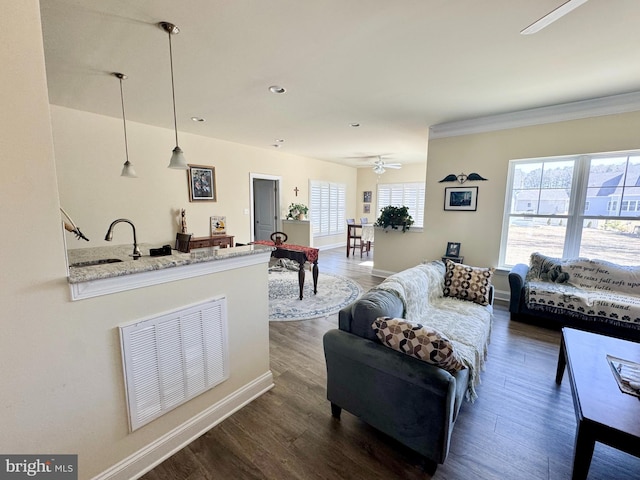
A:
395,67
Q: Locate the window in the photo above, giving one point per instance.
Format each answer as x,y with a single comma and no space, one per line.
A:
410,195
327,208
573,206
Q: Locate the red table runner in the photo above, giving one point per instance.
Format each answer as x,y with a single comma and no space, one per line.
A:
310,252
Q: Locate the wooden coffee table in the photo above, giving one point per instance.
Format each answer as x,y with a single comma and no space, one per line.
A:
603,412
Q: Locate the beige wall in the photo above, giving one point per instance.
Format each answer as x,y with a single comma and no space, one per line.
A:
368,180
89,152
488,154
62,384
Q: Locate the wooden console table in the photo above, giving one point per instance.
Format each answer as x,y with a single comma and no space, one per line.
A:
222,241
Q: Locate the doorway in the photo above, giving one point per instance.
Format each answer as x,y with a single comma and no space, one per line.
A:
265,205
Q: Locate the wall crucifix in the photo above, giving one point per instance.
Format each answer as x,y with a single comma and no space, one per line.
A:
296,190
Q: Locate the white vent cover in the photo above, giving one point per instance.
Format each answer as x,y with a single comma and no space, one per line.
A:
173,358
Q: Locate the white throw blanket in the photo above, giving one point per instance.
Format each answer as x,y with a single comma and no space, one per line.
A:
595,290
466,324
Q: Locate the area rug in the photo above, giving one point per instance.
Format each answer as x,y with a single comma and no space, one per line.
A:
334,292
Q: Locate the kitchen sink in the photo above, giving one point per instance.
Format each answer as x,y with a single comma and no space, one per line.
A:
91,263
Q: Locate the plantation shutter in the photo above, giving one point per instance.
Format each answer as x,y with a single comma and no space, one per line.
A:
327,208
410,195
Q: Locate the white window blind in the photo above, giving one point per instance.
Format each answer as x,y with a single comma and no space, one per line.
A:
410,195
327,208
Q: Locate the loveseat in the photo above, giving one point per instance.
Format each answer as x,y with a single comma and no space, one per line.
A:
408,387
593,295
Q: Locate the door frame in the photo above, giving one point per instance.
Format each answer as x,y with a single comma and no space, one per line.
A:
263,176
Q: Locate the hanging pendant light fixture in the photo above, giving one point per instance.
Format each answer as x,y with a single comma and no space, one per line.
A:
127,169
177,159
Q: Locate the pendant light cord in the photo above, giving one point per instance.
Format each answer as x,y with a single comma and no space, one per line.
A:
173,91
124,121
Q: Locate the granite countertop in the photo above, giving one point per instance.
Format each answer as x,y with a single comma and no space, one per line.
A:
146,263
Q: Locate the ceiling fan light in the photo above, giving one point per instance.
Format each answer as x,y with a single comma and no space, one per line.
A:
178,161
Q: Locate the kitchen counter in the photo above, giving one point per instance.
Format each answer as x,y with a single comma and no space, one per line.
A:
95,280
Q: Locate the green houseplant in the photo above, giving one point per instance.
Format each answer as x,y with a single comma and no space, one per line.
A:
297,211
394,217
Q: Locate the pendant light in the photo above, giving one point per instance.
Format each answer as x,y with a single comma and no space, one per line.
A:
177,159
127,169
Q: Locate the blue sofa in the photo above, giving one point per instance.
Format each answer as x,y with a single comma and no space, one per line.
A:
554,317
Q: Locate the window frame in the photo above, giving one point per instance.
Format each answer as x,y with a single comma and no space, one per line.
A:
578,209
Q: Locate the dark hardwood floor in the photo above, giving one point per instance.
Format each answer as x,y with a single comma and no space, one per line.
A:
521,427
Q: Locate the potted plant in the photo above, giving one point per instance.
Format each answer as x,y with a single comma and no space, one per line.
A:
297,211
394,217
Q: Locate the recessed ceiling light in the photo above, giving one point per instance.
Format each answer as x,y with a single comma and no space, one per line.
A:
280,140
277,89
276,145
354,124
198,119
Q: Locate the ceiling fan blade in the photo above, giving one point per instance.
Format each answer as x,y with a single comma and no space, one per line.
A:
552,16
392,165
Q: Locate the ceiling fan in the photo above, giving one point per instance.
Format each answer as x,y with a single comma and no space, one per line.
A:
552,16
380,166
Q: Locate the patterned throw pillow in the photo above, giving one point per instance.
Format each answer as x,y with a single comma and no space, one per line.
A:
467,283
542,267
419,341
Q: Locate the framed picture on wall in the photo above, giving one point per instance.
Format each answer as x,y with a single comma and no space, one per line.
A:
461,198
366,208
202,183
366,196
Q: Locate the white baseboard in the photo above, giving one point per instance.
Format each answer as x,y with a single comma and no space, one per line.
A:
162,448
381,273
332,245
502,295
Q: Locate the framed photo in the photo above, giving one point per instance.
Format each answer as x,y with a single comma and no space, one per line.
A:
461,198
202,183
366,197
453,249
366,208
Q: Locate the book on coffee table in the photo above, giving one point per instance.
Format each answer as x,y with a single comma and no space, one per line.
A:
626,373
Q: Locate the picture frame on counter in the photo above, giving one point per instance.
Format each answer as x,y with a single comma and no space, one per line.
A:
202,183
453,249
461,198
218,225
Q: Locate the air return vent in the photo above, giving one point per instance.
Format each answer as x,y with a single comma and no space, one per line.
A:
173,358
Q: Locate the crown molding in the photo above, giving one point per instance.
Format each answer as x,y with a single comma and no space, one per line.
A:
596,107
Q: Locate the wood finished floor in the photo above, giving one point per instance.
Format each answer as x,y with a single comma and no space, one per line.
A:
521,427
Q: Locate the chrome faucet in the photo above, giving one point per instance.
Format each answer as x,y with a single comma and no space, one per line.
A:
109,236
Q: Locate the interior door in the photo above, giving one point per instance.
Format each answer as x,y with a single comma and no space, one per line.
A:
264,208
